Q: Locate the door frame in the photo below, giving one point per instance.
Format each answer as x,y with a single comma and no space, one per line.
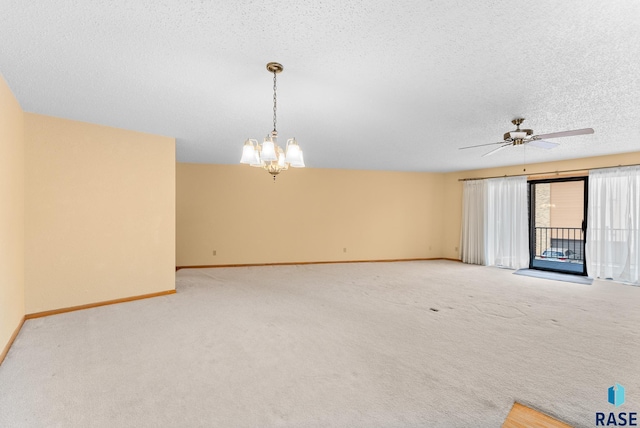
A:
532,229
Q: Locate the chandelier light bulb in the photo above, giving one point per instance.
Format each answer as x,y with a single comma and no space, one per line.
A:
268,150
281,159
256,161
294,154
248,153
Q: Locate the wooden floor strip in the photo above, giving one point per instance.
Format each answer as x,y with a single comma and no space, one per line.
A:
522,416
310,263
95,305
5,351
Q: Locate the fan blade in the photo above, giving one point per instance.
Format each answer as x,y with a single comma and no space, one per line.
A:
565,133
543,144
496,150
480,145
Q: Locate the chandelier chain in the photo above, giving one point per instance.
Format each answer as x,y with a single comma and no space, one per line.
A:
275,101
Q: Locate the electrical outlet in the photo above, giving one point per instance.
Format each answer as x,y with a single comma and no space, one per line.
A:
456,249
344,250
214,252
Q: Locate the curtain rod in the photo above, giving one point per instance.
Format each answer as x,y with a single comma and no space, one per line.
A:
546,173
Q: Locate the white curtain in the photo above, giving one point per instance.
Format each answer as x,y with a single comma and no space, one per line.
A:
507,222
495,222
613,231
472,243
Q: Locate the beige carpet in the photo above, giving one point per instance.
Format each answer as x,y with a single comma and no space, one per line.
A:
438,344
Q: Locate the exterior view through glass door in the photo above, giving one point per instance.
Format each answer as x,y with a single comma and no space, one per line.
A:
557,224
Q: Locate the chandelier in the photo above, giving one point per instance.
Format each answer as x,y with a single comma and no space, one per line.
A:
268,155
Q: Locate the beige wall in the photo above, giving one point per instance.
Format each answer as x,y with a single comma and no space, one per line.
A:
99,210
306,215
453,188
99,214
12,305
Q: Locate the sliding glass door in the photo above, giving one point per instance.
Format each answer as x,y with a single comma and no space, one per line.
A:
557,224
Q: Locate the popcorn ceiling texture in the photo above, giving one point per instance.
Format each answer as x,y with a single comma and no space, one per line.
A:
367,85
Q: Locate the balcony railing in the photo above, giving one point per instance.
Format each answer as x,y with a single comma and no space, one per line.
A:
562,238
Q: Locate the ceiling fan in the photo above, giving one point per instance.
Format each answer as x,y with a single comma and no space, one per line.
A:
525,136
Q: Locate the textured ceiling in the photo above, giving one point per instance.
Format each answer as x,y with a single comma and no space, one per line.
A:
396,85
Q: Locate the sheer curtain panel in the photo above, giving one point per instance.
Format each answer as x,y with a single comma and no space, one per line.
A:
495,222
507,242
472,242
613,231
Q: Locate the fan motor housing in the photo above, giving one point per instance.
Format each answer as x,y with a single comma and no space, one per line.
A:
507,136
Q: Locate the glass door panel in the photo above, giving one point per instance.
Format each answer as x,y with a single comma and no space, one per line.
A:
557,213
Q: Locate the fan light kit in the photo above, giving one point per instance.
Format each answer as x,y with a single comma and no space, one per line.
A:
269,155
526,136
